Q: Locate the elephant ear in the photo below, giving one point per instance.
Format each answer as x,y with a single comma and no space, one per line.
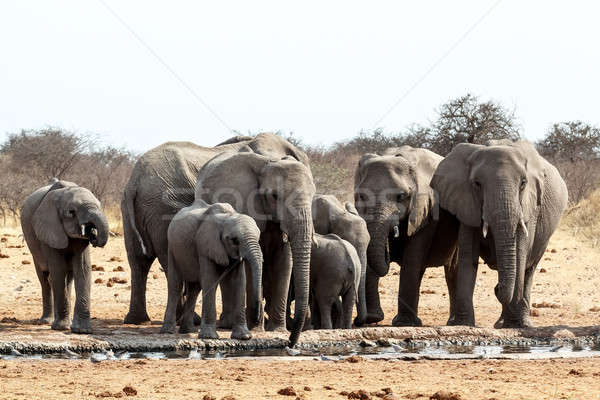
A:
350,208
46,220
234,178
453,187
358,174
208,237
536,178
424,204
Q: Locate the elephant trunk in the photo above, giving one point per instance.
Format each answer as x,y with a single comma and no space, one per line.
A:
504,227
300,237
361,302
95,227
250,251
378,255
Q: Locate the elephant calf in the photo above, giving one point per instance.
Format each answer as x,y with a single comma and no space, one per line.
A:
335,270
59,221
208,243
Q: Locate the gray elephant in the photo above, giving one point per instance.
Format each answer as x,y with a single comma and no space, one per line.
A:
509,201
162,182
59,221
393,195
335,270
277,193
330,216
208,243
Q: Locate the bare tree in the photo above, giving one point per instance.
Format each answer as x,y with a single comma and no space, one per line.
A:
571,141
467,120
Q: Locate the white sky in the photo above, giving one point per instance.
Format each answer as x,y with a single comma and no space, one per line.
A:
324,70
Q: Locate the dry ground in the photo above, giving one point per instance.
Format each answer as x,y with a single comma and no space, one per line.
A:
565,290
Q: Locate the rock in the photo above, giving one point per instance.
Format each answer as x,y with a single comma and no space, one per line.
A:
129,390
154,276
383,342
359,394
25,262
445,395
208,397
367,343
563,334
595,309
354,359
543,270
19,288
118,269
287,391
534,313
99,280
291,352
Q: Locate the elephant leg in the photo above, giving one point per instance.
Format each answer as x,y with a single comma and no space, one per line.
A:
174,289
277,273
237,279
61,295
516,315
82,273
325,305
374,310
315,312
140,266
289,322
408,296
466,274
336,314
208,326
227,314
348,301
186,323
450,275
47,311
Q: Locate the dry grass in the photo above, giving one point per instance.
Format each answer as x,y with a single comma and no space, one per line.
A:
583,219
115,222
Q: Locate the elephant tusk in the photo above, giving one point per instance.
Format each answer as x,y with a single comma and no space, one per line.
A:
314,241
396,231
485,229
524,227
82,227
284,237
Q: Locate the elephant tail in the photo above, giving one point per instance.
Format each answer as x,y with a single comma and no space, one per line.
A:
128,210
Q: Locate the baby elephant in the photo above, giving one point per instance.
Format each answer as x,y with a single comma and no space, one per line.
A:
208,243
334,271
59,222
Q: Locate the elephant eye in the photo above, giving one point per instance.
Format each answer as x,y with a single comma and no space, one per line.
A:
523,183
274,196
477,184
69,213
235,241
401,197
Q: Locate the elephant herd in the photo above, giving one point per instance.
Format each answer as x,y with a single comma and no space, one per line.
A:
244,215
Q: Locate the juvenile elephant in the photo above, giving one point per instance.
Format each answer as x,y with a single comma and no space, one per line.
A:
207,242
59,222
334,272
162,182
277,193
330,216
508,201
393,195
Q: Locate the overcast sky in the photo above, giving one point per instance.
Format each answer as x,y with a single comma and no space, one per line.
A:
324,70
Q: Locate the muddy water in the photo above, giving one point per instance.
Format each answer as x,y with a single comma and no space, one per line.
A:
424,350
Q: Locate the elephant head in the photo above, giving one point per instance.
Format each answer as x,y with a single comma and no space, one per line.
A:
272,191
331,216
498,188
228,237
393,195
69,211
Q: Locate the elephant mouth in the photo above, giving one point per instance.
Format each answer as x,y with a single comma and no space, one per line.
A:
90,232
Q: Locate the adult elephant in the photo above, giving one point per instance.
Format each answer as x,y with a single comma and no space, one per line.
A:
277,193
161,183
331,216
509,201
393,195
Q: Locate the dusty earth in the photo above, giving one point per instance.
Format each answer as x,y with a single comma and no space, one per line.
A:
565,293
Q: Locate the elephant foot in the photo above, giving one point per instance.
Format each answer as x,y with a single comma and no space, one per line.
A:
513,323
61,324
197,319
208,332
275,326
461,321
241,332
406,320
187,327
167,328
360,321
374,317
137,318
81,325
45,320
